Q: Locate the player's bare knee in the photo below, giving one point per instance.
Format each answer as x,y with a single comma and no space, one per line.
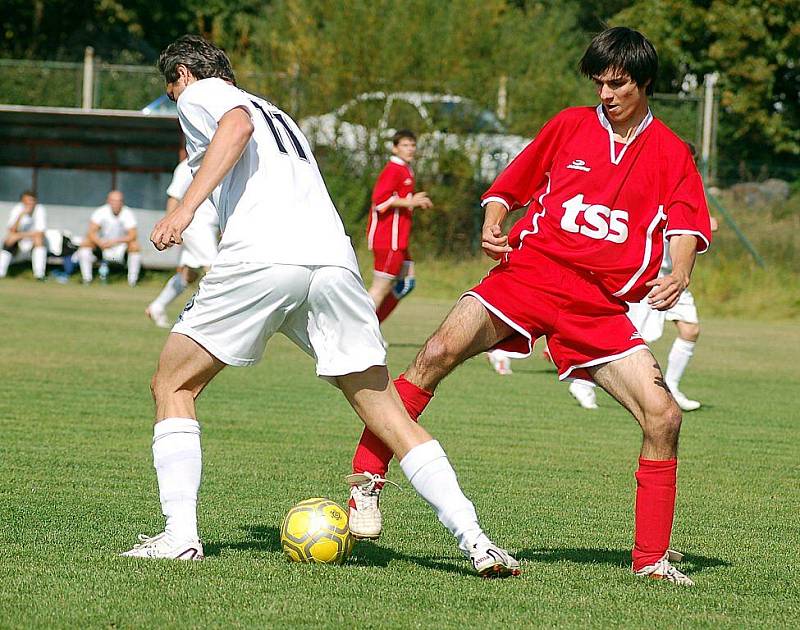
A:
663,425
438,352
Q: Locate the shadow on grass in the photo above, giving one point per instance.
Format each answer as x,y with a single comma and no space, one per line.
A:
693,563
365,554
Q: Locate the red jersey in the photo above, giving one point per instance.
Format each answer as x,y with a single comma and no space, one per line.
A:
389,227
602,207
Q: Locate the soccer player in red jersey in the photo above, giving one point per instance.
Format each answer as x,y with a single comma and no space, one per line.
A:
604,185
389,225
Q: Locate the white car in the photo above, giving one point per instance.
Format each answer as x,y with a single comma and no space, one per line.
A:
442,122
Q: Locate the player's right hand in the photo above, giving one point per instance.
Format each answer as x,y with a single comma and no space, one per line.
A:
421,200
167,232
493,242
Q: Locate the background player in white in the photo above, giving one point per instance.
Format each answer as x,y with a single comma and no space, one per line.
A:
284,265
26,226
650,323
199,247
111,239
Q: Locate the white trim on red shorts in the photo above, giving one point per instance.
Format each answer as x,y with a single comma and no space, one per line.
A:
499,314
564,375
383,274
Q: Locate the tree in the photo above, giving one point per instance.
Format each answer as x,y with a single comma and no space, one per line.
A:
753,46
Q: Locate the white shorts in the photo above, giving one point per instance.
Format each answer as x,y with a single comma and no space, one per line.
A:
325,310
650,322
200,243
116,253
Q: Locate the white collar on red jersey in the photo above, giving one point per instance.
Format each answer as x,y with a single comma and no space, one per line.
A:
601,116
398,160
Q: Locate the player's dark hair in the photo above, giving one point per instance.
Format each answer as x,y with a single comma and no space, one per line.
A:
621,48
403,133
28,193
202,58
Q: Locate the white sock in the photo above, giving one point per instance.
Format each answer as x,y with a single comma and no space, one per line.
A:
429,471
86,260
178,462
134,265
39,261
679,357
174,287
5,261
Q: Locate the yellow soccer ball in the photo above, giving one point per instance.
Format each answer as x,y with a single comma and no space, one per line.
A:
316,530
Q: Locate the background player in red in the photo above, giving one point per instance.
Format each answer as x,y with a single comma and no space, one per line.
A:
389,225
604,186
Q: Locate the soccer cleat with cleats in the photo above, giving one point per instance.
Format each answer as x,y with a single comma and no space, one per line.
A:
663,570
686,404
162,546
366,521
490,561
158,316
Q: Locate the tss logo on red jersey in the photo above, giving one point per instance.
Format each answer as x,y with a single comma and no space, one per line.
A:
599,222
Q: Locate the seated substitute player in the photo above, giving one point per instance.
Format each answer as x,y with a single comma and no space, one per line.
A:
111,239
26,227
389,225
650,324
284,265
198,249
604,185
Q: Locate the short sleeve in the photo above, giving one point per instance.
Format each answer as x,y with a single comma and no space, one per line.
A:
687,210
203,104
97,216
386,188
15,212
515,186
181,180
128,219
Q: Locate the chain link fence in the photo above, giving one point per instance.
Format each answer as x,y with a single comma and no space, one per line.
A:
131,87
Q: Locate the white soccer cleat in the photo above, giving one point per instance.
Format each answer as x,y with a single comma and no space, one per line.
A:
584,394
366,521
158,316
685,403
663,570
500,362
490,561
162,546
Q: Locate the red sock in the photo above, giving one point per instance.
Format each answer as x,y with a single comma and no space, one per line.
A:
373,455
655,509
387,306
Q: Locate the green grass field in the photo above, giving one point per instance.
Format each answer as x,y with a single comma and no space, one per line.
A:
551,481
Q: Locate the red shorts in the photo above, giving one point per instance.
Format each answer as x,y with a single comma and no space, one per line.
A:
584,324
389,262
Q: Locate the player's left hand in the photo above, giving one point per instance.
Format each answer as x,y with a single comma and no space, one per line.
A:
666,291
167,232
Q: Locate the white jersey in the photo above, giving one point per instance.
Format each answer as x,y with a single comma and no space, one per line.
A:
36,221
273,205
111,225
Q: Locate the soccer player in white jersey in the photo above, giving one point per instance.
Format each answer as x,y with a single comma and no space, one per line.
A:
26,226
198,249
112,238
284,265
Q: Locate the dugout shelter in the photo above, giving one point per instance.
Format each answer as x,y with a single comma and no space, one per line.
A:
72,157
